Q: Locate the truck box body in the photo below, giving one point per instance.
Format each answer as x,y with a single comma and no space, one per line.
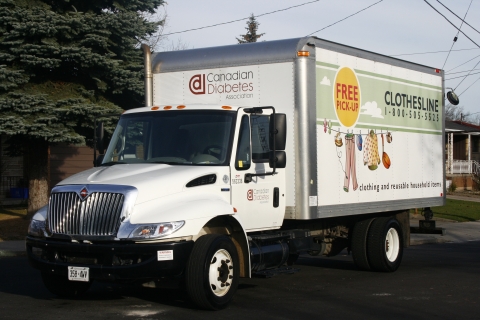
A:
335,90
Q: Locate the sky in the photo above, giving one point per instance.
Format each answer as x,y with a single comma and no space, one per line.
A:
407,29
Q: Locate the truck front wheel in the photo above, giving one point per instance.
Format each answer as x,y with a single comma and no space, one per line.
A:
62,287
385,244
212,272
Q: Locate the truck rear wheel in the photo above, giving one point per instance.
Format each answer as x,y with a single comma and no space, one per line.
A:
62,287
212,272
359,243
385,244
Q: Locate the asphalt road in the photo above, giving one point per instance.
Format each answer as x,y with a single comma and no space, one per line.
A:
437,281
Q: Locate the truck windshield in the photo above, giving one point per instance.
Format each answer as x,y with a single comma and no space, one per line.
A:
172,137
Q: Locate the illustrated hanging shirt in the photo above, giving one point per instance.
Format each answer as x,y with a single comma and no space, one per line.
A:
371,158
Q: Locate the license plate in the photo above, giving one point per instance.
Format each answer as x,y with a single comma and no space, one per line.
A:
78,274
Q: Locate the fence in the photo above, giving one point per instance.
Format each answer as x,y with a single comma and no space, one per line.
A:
464,167
17,183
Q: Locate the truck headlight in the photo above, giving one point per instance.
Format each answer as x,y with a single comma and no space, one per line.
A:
155,230
37,225
36,228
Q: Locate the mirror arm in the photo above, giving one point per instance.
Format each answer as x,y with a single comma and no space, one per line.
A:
249,176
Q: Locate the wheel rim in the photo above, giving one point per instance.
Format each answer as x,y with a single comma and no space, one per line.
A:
220,274
392,244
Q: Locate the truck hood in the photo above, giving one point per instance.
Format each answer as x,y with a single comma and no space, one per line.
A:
151,180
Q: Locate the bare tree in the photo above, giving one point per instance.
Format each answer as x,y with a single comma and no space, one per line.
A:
178,45
454,113
157,41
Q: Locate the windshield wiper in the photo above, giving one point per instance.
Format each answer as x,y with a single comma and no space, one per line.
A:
171,162
112,163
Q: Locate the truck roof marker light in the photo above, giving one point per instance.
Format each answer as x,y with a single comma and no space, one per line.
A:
155,108
303,53
226,107
167,107
437,70
181,107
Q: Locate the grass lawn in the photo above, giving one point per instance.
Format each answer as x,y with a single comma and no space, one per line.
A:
458,210
13,225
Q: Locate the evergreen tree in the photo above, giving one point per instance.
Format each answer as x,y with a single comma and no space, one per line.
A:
63,62
251,35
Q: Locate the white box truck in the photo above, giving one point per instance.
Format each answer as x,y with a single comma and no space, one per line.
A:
244,157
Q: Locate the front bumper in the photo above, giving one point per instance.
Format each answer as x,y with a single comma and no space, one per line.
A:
112,261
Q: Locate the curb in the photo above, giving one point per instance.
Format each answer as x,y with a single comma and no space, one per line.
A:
417,242
7,253
13,248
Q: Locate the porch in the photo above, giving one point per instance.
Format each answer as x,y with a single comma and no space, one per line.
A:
462,153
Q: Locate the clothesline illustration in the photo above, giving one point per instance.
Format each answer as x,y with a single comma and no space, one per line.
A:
371,156
328,127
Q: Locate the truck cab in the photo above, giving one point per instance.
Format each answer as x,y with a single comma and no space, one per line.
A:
170,176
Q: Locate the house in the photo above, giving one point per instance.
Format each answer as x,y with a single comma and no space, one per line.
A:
65,160
11,172
462,152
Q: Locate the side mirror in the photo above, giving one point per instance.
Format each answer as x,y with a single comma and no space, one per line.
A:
99,137
278,131
278,160
453,98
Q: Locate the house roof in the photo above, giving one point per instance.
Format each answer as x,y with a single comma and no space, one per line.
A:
461,126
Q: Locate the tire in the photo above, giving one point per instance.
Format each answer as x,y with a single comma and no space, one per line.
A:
63,287
359,244
212,272
385,244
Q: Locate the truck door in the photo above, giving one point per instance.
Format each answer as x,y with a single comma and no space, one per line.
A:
261,202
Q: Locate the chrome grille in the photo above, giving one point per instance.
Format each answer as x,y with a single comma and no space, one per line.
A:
98,215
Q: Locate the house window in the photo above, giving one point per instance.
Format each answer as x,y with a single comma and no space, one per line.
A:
475,141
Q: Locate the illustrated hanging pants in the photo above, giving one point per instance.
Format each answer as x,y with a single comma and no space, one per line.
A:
350,170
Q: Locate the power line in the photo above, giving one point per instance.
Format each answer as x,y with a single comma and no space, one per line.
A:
345,18
442,51
237,20
456,37
468,87
451,23
450,73
463,63
458,16
467,74
470,74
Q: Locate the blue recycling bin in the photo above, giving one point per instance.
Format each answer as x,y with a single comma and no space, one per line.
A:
19,193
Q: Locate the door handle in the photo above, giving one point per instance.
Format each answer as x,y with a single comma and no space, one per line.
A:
276,197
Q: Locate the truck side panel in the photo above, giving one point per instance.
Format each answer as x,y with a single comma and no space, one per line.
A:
379,135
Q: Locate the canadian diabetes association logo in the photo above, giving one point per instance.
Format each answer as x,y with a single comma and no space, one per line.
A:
229,82
197,84
346,97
